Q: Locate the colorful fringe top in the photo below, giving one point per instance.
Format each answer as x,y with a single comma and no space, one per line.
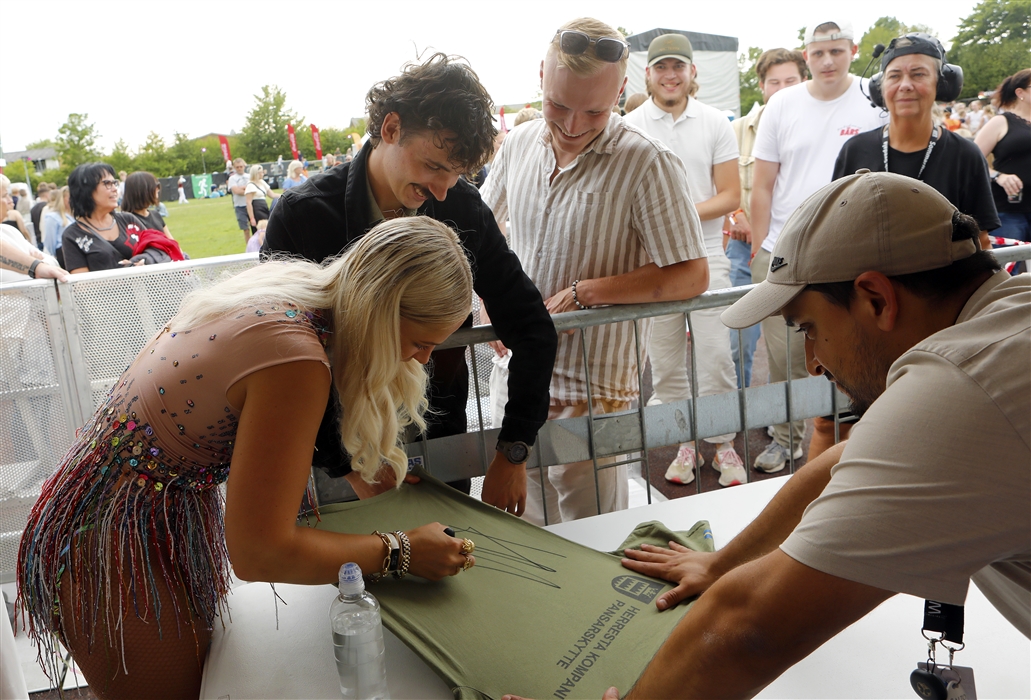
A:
138,491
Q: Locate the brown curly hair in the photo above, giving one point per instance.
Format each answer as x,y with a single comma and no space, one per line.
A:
441,95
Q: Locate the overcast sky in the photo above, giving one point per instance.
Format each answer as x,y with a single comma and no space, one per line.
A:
194,67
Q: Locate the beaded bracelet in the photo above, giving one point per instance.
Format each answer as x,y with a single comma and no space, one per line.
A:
406,555
576,300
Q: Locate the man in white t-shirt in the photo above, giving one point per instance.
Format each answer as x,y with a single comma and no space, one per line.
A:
801,133
702,138
237,185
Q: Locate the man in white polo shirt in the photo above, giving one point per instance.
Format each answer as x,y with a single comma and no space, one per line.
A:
600,215
704,140
801,133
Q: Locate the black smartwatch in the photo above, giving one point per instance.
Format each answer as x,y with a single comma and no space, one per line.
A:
516,452
32,268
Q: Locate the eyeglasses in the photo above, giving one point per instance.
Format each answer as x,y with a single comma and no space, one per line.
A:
606,48
110,184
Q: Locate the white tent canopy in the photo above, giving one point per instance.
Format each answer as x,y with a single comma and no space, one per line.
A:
714,55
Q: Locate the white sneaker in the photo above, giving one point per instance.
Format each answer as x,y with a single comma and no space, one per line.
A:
775,457
730,465
681,469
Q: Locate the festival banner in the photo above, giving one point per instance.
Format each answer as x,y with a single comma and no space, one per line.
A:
293,141
318,142
504,129
224,143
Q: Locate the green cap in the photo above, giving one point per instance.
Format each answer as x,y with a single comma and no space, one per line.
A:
670,46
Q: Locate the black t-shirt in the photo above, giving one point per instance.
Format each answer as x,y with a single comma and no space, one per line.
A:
152,220
956,169
36,213
84,248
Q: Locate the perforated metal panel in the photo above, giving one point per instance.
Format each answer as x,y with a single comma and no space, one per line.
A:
35,430
480,365
114,315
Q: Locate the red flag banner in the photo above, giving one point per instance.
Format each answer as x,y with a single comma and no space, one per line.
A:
224,143
504,129
318,142
293,141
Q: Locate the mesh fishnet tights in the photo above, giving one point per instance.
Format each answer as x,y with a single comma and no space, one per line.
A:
165,666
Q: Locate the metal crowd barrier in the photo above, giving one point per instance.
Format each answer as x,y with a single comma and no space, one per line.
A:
62,347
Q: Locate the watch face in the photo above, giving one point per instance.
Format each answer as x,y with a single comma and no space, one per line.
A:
517,453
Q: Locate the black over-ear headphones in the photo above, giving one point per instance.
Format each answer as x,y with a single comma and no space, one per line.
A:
950,77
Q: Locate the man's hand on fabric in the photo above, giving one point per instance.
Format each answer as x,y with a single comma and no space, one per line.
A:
692,572
561,302
504,487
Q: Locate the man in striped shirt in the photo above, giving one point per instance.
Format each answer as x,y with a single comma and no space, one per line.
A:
600,215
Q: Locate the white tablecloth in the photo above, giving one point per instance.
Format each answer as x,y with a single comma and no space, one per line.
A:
871,659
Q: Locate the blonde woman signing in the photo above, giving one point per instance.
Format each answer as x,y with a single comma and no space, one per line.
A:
126,554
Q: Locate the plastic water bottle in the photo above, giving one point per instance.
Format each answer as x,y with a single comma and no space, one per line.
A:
358,638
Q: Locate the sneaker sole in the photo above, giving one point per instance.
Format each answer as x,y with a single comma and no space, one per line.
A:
757,468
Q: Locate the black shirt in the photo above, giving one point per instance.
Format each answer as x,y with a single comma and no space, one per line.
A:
1013,156
152,220
319,218
84,248
35,214
956,169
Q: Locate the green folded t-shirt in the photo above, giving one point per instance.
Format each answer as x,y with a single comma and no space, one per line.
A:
538,616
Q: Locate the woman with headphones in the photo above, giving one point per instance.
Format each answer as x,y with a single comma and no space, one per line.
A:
914,75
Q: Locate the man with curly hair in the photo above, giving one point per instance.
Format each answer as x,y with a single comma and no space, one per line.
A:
426,128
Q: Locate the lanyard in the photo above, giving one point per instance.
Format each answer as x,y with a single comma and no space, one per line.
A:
927,154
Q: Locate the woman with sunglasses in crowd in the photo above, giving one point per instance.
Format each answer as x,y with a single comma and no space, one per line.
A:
126,556
100,238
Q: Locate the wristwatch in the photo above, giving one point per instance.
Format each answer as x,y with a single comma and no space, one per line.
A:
32,268
516,452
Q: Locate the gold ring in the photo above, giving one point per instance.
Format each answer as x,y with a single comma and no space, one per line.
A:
468,546
468,563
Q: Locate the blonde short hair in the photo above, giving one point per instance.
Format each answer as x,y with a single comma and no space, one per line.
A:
587,63
294,169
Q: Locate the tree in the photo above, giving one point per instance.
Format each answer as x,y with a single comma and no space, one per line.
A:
749,79
881,32
120,158
992,44
264,135
153,156
42,143
76,141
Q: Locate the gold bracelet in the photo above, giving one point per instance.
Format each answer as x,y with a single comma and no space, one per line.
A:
386,560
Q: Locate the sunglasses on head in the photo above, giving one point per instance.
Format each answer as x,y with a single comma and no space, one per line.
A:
606,48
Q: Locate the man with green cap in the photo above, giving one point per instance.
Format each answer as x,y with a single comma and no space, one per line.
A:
886,285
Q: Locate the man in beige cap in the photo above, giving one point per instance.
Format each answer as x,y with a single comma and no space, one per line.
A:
887,287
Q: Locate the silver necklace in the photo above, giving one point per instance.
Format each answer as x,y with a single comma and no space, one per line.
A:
97,228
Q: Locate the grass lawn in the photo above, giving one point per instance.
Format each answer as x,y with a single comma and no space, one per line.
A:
205,227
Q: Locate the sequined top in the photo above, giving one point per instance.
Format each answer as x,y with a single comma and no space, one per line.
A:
140,479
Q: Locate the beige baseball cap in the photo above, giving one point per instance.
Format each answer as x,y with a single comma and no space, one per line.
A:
670,46
883,222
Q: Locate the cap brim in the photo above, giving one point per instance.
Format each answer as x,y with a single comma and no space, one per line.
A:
763,301
679,57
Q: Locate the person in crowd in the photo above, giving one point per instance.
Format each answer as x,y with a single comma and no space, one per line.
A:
181,186
975,116
56,219
36,212
801,132
100,238
1007,139
237,183
126,555
634,101
584,248
121,185
14,218
426,127
258,238
24,206
255,193
142,191
776,69
911,144
526,114
19,259
884,280
703,139
294,175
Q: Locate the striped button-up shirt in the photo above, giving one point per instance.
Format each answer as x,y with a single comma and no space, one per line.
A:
621,204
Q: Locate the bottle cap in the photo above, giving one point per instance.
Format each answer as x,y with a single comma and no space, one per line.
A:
351,581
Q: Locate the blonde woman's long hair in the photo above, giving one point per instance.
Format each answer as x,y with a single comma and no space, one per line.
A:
413,268
55,203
